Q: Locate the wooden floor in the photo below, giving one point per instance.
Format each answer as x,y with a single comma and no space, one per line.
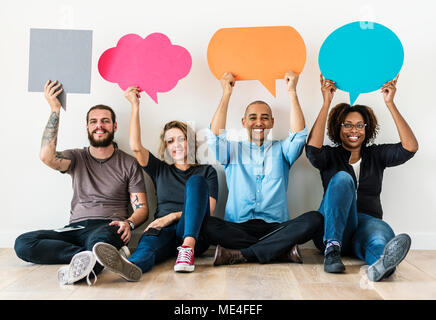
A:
415,279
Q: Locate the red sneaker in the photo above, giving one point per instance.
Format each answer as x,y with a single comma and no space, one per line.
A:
185,260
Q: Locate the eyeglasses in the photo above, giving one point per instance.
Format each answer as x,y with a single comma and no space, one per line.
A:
358,126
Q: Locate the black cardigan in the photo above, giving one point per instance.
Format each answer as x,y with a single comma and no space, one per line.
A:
375,158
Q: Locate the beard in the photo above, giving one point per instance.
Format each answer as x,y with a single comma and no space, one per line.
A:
101,143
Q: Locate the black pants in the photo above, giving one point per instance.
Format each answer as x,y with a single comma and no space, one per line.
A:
51,247
245,236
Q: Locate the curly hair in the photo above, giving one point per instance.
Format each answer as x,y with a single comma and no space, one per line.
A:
189,134
338,114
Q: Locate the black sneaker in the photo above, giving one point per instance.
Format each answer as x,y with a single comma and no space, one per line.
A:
395,251
332,260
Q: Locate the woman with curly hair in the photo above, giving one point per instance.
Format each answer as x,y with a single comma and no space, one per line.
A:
352,174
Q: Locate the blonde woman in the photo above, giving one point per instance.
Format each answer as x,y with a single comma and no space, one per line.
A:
186,193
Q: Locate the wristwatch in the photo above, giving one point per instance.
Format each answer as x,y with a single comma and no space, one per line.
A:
131,224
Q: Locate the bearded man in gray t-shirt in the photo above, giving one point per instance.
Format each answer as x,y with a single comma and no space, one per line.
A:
105,180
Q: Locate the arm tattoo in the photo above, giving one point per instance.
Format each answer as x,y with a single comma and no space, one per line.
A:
58,160
61,155
51,130
136,204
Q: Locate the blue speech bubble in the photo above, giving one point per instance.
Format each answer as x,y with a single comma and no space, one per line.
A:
361,57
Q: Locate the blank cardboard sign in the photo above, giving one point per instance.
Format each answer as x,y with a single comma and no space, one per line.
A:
63,55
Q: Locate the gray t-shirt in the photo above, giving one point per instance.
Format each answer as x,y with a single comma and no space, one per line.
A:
101,188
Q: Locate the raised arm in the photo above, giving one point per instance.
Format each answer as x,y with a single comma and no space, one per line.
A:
408,139
219,118
296,114
48,154
141,153
316,136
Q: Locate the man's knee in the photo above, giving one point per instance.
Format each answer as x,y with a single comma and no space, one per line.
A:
23,246
211,223
105,233
210,227
312,221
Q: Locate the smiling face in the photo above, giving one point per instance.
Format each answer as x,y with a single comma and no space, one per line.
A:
100,128
176,145
258,121
353,137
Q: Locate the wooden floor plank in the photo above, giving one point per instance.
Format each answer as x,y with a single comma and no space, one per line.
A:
12,268
256,281
415,278
424,260
312,270
408,282
337,291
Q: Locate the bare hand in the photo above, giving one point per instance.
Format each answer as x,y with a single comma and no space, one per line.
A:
228,82
328,89
291,79
124,229
132,95
160,223
51,93
389,89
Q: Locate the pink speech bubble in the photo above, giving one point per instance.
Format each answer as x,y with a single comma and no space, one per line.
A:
153,64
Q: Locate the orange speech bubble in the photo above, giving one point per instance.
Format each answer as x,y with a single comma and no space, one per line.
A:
257,53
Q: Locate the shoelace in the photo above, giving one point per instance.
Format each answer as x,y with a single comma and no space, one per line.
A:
95,278
185,255
79,266
333,254
234,258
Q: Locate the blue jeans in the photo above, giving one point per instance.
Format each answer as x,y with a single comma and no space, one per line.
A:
358,233
155,249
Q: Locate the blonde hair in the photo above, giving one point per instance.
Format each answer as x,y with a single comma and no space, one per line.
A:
189,134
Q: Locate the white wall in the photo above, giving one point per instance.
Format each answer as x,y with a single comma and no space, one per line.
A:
35,197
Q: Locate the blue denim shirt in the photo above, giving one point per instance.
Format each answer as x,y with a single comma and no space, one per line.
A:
257,176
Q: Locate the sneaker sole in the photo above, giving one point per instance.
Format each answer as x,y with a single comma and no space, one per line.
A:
63,275
395,251
80,266
108,256
184,267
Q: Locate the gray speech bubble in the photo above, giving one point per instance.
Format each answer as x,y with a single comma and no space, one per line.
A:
63,55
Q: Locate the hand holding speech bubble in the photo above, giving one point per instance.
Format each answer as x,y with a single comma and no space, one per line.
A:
257,53
63,55
361,57
153,64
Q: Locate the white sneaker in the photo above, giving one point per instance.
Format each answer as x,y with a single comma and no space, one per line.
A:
109,257
125,252
63,275
81,266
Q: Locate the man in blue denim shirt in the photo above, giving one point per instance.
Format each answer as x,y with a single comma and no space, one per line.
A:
257,225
